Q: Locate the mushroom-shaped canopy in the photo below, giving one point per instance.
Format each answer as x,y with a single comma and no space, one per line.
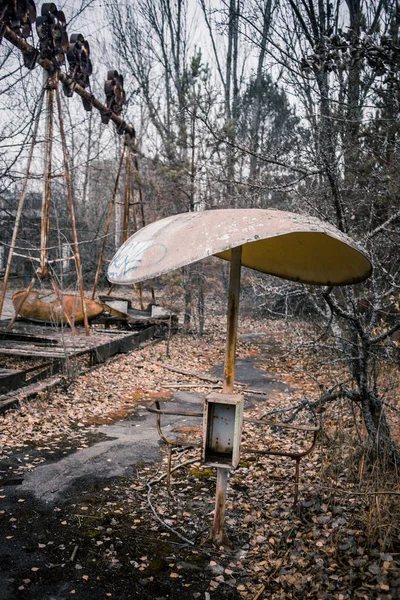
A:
284,244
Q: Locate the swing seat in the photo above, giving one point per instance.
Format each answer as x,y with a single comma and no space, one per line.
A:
35,309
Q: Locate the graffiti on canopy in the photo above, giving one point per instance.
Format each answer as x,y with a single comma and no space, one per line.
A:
134,255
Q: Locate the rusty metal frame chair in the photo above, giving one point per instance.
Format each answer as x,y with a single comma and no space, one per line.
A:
296,456
171,443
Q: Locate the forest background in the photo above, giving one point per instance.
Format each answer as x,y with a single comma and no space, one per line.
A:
288,105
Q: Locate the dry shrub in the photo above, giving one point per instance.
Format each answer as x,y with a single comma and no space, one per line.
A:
380,483
372,484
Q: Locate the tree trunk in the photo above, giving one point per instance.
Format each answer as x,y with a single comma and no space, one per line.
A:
187,276
231,97
382,445
256,116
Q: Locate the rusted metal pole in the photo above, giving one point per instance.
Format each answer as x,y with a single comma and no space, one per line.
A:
108,222
135,164
48,143
134,214
61,301
169,470
23,45
218,534
139,293
133,155
71,208
139,288
110,289
127,199
20,205
232,319
21,302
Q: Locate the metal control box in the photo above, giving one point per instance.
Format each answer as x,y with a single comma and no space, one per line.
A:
222,429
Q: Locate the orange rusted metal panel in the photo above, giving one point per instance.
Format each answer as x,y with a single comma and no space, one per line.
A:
288,245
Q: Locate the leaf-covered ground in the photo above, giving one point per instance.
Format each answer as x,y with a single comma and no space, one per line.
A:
341,540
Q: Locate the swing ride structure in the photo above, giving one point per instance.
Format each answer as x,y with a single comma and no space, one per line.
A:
67,66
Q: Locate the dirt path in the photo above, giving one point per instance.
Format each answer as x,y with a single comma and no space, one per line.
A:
38,533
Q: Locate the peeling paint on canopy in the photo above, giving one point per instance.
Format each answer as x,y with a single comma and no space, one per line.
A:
280,243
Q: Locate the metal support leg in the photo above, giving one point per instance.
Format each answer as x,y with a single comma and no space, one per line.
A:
218,534
169,470
71,208
232,319
21,303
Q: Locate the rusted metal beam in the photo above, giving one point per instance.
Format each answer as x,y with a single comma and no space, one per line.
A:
158,412
177,413
108,222
282,425
292,455
127,199
49,85
46,64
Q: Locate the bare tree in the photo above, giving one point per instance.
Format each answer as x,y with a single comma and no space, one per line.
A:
342,60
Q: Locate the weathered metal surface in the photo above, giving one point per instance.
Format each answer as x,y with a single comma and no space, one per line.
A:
47,342
19,16
15,336
58,353
35,309
281,243
13,398
222,429
297,456
218,534
51,28
115,95
85,304
47,64
80,66
121,308
232,319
